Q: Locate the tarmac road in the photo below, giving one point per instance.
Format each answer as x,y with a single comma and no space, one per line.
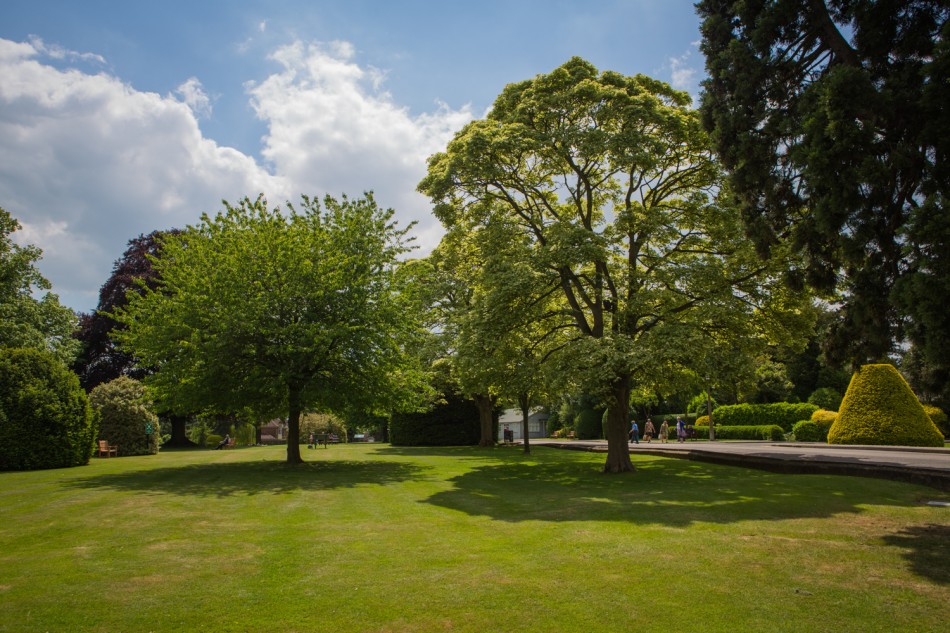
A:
929,466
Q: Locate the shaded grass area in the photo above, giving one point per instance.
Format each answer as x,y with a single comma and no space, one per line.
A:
380,538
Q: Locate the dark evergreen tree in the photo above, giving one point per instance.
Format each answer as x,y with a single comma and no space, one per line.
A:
832,119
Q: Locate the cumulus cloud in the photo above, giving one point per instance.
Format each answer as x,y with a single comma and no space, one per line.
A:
88,162
193,95
333,129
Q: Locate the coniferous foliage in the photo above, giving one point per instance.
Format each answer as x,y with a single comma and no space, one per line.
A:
831,118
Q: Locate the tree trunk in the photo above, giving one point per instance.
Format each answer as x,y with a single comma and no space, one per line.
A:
618,450
486,405
179,437
293,425
525,406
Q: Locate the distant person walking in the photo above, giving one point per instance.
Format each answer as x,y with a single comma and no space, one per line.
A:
680,429
648,430
634,432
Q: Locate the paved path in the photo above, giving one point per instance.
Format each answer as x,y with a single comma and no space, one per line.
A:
929,466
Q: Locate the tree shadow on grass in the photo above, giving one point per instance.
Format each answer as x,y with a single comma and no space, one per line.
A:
252,478
926,549
663,491
478,453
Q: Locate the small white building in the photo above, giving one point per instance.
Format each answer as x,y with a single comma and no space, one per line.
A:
511,419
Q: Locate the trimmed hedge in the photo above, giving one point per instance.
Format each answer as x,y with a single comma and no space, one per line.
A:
454,423
783,414
880,409
770,432
588,425
939,418
824,416
812,430
702,420
45,417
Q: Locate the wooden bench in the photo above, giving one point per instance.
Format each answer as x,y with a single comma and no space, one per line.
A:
108,449
230,443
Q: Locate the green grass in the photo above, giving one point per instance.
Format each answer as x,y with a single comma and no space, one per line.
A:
376,538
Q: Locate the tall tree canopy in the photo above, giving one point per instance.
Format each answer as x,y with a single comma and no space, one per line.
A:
25,320
100,359
832,119
258,308
610,184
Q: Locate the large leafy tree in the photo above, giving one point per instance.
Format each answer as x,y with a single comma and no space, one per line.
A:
832,119
263,309
509,325
445,281
25,320
611,184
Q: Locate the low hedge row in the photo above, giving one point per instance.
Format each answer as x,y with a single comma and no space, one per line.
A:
455,422
812,430
783,414
770,432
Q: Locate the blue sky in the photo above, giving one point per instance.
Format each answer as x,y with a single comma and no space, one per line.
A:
119,118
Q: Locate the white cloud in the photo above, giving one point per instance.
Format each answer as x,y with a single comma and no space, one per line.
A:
87,162
684,75
193,95
60,53
332,129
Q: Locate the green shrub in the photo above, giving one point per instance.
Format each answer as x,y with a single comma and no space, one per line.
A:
245,435
322,424
824,416
939,418
127,420
702,420
588,425
782,414
811,430
826,398
212,440
770,432
880,409
45,417
553,424
697,406
453,423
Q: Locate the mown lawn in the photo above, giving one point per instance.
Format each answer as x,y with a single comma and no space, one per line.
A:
377,538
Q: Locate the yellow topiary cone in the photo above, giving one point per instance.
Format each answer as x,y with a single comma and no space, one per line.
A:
880,409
